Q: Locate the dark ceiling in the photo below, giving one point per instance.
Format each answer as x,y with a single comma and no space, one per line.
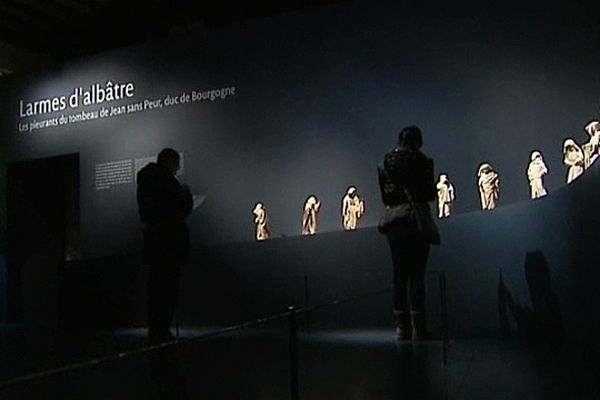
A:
62,29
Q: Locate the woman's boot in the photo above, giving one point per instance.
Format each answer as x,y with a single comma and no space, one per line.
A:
418,325
402,324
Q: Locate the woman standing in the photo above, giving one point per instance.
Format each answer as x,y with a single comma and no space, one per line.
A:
407,184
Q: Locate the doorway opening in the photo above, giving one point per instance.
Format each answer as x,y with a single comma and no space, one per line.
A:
43,234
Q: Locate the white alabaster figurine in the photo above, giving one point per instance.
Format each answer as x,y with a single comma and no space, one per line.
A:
309,218
489,186
353,208
592,148
535,172
261,220
445,194
573,159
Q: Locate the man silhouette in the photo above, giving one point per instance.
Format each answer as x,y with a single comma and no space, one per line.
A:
163,206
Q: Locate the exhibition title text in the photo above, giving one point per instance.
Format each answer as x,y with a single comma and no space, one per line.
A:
96,94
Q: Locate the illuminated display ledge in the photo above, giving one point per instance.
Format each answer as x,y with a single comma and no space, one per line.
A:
259,278
236,282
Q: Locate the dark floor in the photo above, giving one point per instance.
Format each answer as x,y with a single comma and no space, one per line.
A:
254,364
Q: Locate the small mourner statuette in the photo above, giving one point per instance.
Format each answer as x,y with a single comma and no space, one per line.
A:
489,186
535,172
261,220
309,219
445,194
353,208
592,148
574,159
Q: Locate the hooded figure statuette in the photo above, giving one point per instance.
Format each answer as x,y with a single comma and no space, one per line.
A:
262,222
489,186
353,208
535,172
573,159
309,218
445,195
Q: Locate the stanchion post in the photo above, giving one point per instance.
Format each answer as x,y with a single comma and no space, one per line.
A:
176,324
293,334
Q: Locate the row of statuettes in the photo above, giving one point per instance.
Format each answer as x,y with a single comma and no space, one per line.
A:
576,158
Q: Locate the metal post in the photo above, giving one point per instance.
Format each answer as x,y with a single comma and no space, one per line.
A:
293,332
176,324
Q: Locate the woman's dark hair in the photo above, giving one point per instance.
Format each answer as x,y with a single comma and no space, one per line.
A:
410,138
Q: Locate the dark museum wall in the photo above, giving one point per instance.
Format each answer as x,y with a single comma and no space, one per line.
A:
3,272
319,97
545,250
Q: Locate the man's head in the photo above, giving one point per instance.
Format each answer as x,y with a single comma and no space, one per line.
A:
169,159
410,138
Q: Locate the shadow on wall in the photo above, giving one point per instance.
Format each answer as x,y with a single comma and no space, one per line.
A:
544,320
